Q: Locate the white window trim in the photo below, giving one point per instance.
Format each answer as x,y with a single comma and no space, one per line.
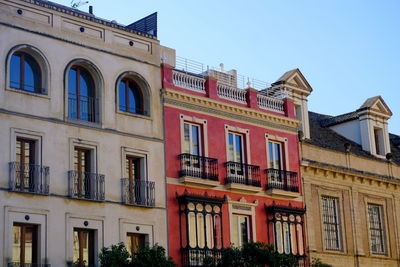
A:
248,210
36,216
284,148
77,221
33,135
127,226
342,229
142,154
203,132
246,143
92,146
382,203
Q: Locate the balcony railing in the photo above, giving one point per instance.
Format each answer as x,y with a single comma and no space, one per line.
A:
283,180
82,107
189,81
241,173
193,257
199,167
29,178
19,264
231,93
138,192
86,185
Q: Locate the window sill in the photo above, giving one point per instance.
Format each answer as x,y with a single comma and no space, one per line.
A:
146,117
19,91
198,181
29,192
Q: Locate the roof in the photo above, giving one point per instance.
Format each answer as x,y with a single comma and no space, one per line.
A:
339,119
322,136
87,16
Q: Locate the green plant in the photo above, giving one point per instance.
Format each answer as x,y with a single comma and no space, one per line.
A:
316,262
115,256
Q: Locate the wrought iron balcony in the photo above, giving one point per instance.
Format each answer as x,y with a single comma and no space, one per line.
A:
19,264
282,180
138,192
241,173
86,185
29,178
193,257
198,166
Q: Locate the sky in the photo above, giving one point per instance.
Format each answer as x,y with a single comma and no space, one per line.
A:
347,50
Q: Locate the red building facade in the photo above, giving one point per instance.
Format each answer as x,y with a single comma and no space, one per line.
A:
232,166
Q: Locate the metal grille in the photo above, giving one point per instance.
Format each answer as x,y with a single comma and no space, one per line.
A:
85,185
137,192
331,223
241,173
29,178
146,25
19,264
283,180
376,229
198,166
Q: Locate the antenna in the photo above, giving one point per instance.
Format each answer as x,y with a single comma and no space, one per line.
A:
77,3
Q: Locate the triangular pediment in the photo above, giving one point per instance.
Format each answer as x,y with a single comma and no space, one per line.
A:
377,104
296,79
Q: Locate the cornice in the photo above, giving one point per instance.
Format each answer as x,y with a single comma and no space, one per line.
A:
344,173
247,115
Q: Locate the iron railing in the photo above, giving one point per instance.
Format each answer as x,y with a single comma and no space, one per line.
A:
138,192
193,257
19,264
29,178
241,173
198,166
283,180
86,185
82,107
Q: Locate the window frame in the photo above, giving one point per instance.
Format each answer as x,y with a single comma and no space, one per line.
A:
128,82
44,67
338,223
35,242
385,237
283,141
203,137
90,244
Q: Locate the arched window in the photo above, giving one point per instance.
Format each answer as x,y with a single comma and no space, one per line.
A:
82,101
25,73
130,97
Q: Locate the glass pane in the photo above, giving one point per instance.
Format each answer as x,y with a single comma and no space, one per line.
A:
195,140
286,236
192,230
278,237
86,83
271,155
29,239
72,94
76,247
209,231
235,230
230,148
186,129
200,230
31,74
15,71
122,96
18,151
16,246
218,231
244,229
132,97
277,149
238,151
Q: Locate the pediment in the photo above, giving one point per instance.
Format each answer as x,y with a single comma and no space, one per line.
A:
296,79
377,104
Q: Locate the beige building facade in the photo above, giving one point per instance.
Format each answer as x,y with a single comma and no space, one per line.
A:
82,162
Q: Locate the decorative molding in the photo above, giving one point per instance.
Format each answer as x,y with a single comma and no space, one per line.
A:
204,104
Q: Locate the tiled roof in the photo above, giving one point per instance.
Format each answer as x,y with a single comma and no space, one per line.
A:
322,136
339,119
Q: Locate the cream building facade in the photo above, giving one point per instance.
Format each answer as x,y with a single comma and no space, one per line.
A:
82,162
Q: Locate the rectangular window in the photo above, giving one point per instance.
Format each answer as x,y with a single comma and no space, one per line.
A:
25,164
331,223
82,168
378,136
235,142
275,155
83,247
25,243
135,241
376,230
240,229
192,139
136,189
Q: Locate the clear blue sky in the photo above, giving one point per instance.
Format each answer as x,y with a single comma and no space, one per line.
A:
347,50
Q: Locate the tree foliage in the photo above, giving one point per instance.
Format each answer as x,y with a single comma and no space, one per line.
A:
118,256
